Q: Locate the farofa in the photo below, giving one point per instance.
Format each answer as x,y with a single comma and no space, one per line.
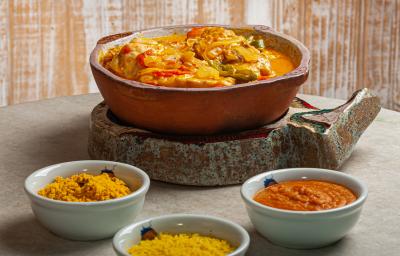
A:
85,188
182,245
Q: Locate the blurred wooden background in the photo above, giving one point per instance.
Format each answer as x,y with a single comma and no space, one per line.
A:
45,44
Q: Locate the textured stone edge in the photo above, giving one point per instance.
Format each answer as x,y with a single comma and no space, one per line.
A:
296,143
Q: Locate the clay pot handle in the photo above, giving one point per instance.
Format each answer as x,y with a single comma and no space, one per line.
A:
325,138
357,113
110,38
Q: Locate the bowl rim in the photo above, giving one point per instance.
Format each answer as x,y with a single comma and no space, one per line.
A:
300,71
241,248
132,196
355,204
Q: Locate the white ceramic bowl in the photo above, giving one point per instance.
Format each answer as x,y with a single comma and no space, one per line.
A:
303,229
87,220
184,223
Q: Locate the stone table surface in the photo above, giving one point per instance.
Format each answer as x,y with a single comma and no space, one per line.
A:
34,135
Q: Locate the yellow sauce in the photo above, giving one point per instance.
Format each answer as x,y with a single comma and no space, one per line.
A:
280,63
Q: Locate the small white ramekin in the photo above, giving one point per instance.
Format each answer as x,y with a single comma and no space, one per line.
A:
206,225
303,229
87,220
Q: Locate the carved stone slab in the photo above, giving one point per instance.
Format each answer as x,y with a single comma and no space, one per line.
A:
305,137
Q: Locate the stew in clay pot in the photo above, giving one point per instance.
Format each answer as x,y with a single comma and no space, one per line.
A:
204,57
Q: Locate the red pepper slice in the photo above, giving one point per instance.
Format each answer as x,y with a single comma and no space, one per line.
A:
263,77
140,57
184,68
195,32
126,49
168,73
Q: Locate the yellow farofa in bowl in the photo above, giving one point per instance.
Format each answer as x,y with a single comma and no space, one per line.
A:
86,188
204,57
166,244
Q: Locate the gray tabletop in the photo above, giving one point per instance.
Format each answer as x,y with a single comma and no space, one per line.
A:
34,135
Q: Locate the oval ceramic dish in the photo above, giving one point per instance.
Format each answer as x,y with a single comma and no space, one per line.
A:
87,220
303,229
184,223
200,111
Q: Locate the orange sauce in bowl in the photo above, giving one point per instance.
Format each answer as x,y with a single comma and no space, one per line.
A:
305,195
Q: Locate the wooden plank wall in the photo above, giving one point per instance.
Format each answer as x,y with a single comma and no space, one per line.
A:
45,44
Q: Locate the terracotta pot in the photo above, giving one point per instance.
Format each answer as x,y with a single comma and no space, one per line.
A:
201,111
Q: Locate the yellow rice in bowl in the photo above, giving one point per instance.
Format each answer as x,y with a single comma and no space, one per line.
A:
182,245
86,187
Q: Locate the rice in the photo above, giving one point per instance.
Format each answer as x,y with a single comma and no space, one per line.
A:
85,188
182,245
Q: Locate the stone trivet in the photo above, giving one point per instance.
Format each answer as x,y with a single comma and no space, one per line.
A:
305,137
